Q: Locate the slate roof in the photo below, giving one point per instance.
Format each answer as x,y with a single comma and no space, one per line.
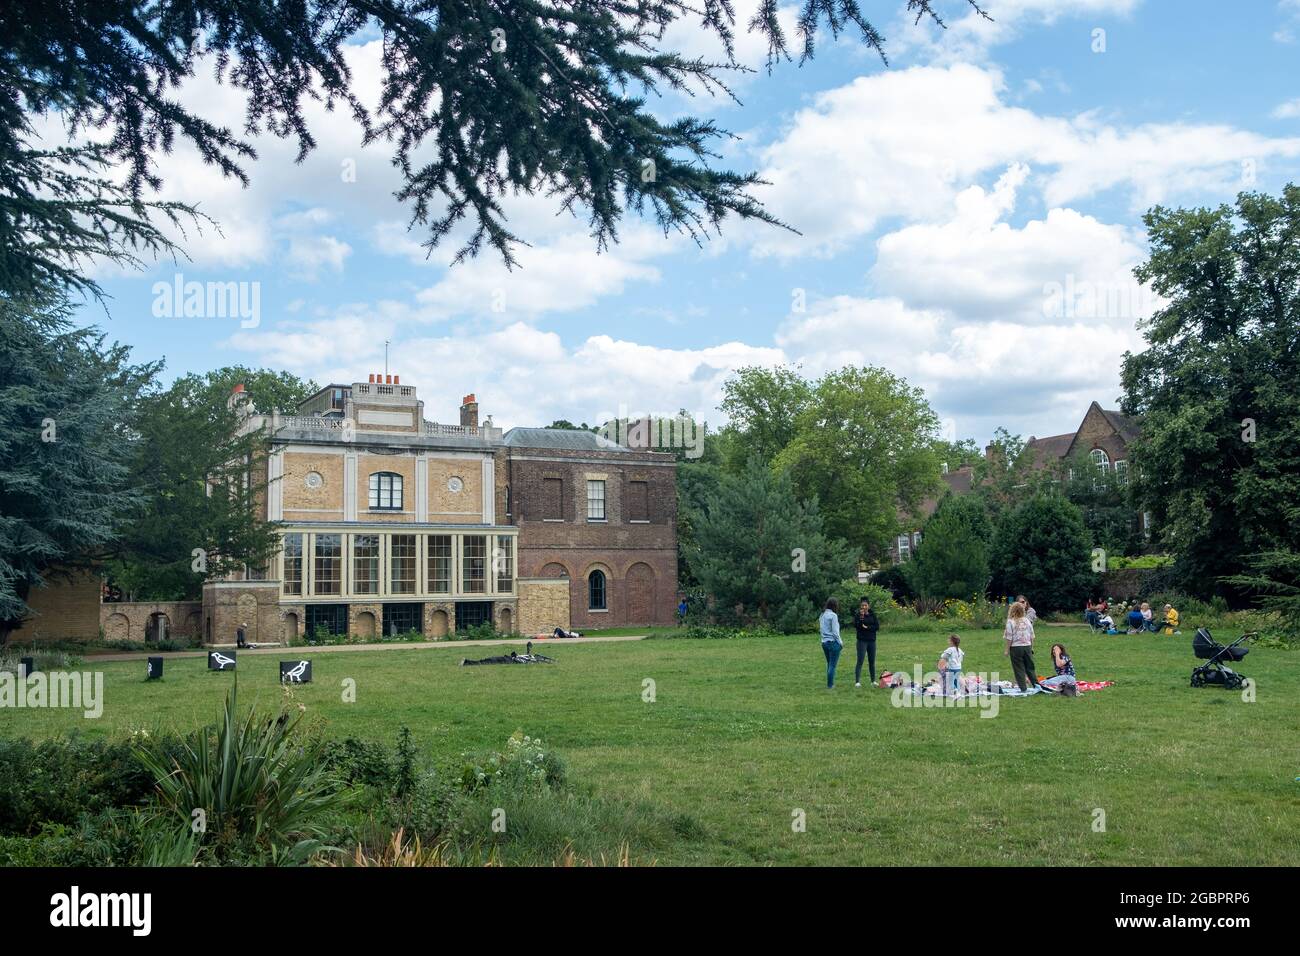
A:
561,439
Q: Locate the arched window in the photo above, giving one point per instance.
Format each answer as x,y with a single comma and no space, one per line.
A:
385,491
1100,459
596,597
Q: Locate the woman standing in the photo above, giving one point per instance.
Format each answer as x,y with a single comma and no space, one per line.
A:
831,643
866,624
1019,634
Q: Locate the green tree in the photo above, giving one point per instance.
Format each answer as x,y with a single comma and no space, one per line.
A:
763,550
480,99
952,560
203,481
1040,549
1109,514
1218,461
67,400
763,406
864,446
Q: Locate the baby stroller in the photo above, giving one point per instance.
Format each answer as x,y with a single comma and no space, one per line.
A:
1214,671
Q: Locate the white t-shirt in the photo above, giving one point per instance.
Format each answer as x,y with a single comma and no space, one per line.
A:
953,656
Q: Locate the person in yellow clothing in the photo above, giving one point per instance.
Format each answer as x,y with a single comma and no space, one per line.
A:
1171,620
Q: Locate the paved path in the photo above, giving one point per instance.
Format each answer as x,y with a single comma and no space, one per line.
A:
333,648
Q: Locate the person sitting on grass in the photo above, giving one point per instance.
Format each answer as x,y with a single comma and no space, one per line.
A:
950,665
1064,681
1061,660
1170,626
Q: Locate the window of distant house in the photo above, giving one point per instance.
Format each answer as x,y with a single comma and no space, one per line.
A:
293,564
638,501
503,562
440,563
1100,459
904,547
916,540
552,499
401,564
385,491
1121,471
596,596
595,501
365,563
327,566
474,560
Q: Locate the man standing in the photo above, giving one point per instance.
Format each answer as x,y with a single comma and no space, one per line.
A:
240,635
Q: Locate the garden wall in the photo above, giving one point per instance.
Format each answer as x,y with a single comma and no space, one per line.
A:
129,620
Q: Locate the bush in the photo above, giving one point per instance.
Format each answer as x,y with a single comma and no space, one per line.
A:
849,592
264,789
896,581
708,632
56,782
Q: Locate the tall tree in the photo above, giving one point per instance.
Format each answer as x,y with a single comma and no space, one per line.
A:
1040,549
763,550
952,560
480,99
864,446
764,405
204,481
1218,460
67,399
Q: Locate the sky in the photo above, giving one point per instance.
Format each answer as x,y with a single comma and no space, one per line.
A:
969,216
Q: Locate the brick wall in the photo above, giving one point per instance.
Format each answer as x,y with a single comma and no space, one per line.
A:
543,605
638,558
129,620
67,608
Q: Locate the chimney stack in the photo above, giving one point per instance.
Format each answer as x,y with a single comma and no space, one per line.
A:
469,411
372,378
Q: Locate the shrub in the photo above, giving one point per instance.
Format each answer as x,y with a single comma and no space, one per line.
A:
849,592
896,581
720,632
262,787
57,781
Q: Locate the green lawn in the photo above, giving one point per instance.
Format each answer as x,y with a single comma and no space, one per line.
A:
743,733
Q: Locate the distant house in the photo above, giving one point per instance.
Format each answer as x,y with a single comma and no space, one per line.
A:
1104,436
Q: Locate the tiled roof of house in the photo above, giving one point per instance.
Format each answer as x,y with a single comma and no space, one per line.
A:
1126,425
1054,446
560,438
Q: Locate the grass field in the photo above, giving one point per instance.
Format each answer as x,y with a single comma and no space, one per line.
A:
742,733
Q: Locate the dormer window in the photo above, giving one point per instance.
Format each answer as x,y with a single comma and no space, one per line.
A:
385,491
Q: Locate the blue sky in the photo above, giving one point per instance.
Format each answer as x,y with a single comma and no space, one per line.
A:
970,216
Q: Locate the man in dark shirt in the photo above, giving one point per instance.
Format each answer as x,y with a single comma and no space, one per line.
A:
866,624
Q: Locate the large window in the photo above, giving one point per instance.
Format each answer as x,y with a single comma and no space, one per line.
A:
1121,471
597,599
327,567
638,501
439,564
904,547
595,501
365,563
552,499
1100,459
293,564
474,564
385,491
401,564
503,563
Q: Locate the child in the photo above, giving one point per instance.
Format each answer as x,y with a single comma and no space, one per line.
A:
950,664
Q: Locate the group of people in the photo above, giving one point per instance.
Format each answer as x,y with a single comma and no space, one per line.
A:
1140,618
1018,635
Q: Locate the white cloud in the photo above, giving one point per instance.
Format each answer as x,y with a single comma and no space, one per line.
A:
902,143
1288,110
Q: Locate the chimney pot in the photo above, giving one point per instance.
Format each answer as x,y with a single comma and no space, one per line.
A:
469,411
237,389
397,380
372,378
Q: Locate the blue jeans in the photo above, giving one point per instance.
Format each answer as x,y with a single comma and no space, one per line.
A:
832,651
951,681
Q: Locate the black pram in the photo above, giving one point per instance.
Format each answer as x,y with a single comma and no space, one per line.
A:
1214,670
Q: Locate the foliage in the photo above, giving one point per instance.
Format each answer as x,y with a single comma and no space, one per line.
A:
524,762
763,405
864,448
66,398
55,782
712,632
203,480
896,580
1110,516
480,101
1142,562
1275,577
1041,550
1218,461
952,559
260,784
849,592
762,554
